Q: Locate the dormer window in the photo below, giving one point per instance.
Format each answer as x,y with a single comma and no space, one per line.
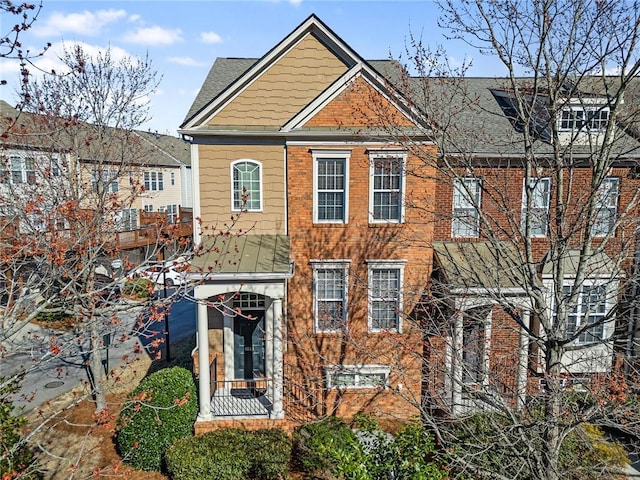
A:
576,118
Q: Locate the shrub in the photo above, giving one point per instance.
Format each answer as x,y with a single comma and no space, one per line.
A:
230,454
160,410
324,448
585,453
16,459
138,288
271,453
217,455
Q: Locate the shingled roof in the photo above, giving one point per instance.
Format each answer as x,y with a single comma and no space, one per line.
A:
24,130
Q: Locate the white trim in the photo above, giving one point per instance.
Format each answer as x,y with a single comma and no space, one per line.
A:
342,143
361,70
373,265
342,265
476,206
331,154
195,180
357,371
537,181
232,166
402,155
311,25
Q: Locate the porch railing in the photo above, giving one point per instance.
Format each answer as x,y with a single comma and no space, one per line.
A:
242,398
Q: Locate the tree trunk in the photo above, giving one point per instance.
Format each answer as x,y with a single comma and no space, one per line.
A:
96,375
553,404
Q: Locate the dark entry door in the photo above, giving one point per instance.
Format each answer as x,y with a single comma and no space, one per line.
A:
248,345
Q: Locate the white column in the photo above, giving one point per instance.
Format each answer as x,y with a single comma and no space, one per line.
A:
524,358
457,370
278,347
204,381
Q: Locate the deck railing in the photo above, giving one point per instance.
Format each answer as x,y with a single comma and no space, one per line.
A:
242,398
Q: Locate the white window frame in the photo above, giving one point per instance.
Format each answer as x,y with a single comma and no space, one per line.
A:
374,266
606,206
374,157
147,208
536,209
318,156
592,118
105,178
236,194
153,181
172,212
579,313
359,374
19,170
318,267
129,219
466,208
173,178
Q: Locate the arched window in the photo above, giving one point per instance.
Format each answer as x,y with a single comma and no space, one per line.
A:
247,185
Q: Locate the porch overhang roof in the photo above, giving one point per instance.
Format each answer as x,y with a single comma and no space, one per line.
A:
243,257
480,267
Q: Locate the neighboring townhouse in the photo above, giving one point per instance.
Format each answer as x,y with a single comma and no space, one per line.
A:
344,272
310,266
485,223
154,185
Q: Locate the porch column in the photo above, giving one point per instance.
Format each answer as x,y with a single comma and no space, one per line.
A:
457,367
204,395
278,373
523,358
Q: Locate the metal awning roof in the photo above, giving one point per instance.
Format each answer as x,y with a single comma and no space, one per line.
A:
479,265
243,256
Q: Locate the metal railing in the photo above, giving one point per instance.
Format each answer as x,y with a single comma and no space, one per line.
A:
242,398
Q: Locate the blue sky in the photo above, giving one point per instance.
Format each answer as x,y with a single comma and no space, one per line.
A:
183,38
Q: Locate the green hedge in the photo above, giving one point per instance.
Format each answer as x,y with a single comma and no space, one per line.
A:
230,454
321,447
160,410
138,287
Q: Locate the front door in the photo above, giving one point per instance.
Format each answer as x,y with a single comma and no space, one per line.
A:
248,345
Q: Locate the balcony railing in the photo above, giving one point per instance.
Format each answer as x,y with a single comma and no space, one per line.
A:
242,398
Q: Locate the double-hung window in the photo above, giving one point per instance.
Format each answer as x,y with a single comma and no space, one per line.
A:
385,294
330,295
386,198
246,186
105,180
466,204
129,219
537,212
153,181
590,309
330,186
606,207
22,170
172,213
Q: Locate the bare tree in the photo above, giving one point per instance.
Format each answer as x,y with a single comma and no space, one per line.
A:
71,171
24,15
531,313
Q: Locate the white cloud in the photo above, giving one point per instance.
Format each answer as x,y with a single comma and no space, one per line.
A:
295,2
154,36
210,37
83,23
51,59
186,61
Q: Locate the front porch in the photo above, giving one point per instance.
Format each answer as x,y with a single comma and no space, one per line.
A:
240,334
